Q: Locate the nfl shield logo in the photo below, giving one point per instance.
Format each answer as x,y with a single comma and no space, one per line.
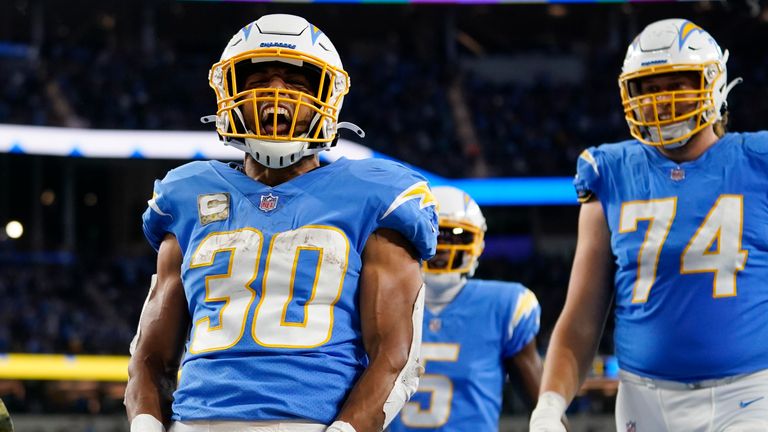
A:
631,427
435,324
268,203
677,174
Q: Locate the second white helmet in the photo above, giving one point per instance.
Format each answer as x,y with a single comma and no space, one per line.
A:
667,46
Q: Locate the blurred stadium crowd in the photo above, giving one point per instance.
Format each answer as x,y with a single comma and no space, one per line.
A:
474,91
514,90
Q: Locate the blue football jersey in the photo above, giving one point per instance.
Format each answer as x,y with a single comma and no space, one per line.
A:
463,351
691,249
271,278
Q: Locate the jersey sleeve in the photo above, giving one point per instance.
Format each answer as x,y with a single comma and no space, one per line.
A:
523,324
587,180
409,208
158,217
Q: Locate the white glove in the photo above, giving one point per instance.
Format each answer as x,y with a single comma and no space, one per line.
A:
340,426
547,415
146,423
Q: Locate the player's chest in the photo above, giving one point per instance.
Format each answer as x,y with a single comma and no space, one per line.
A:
461,341
695,224
273,217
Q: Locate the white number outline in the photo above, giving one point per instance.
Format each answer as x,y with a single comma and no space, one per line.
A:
411,410
631,226
662,209
309,303
226,299
720,205
200,323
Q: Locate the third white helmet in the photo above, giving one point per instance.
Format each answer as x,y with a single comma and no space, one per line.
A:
461,234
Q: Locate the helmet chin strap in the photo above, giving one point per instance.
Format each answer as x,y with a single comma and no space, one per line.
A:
442,288
300,148
672,131
353,127
731,85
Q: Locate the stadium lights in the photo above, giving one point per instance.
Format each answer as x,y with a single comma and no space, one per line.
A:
14,229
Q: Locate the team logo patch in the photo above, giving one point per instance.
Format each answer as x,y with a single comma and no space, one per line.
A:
213,207
267,203
631,426
677,174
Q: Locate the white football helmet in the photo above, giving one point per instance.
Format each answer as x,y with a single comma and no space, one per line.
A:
460,240
666,46
294,41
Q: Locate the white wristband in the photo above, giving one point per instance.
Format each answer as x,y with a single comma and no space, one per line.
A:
339,426
146,423
552,402
547,416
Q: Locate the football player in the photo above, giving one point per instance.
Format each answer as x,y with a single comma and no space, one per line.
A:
288,294
680,209
475,331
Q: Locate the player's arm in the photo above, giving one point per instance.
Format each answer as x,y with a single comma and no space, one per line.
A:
164,322
577,332
526,368
389,286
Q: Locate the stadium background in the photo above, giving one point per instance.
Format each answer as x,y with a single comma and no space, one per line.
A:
461,91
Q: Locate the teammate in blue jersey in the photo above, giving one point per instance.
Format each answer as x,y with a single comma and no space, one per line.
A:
288,294
680,211
475,331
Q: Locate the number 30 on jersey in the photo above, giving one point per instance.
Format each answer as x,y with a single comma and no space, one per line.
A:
270,327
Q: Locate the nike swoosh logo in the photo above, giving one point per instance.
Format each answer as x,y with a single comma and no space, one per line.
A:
744,404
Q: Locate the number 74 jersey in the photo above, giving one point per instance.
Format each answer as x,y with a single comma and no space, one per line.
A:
271,279
690,242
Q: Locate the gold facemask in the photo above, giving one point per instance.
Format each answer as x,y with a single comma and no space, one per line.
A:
324,104
459,245
650,130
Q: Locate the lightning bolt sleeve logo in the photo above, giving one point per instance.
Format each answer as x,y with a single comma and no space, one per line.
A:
418,191
153,205
588,158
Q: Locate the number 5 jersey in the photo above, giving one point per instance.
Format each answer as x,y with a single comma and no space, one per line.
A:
271,278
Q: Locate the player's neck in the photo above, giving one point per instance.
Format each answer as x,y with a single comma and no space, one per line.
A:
694,148
275,176
438,298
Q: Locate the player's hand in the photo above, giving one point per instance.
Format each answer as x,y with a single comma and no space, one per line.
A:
548,414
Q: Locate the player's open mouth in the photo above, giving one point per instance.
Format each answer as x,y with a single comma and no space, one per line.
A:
438,263
269,115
